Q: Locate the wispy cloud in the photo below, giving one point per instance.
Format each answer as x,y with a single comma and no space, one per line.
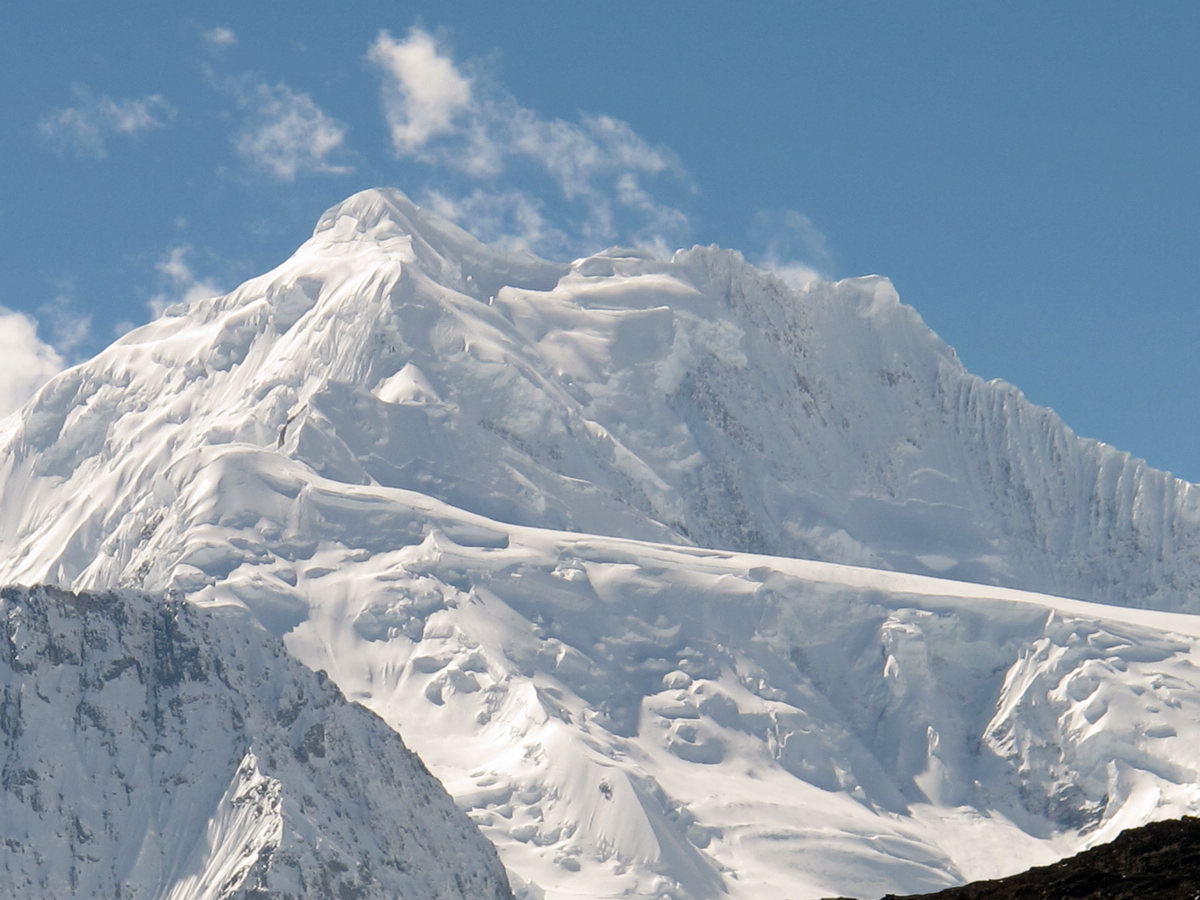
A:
218,38
793,247
68,326
178,280
467,124
285,133
512,219
86,126
26,362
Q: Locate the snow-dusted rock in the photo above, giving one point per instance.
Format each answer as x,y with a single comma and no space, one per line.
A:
156,750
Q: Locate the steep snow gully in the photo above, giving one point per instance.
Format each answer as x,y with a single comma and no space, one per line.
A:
684,582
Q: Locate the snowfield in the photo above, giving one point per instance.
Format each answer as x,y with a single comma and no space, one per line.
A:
637,720
558,526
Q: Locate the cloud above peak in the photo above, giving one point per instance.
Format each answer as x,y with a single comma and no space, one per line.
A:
792,246
508,166
179,280
423,91
86,126
285,133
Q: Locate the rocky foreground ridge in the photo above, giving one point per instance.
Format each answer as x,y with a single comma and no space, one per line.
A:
152,749
1159,861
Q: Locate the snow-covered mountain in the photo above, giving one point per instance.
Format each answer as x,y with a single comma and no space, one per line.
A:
550,522
698,401
156,750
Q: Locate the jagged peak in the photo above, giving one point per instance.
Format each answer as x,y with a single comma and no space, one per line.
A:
445,251
375,206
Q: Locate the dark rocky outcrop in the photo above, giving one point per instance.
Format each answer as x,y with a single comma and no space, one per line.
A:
1160,861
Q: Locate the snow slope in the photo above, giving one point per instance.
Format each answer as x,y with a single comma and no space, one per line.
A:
630,719
483,493
698,401
154,750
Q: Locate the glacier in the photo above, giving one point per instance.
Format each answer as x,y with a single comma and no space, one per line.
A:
684,581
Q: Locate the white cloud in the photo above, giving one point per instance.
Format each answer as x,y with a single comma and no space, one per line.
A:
660,220
423,91
69,328
512,219
286,133
794,248
26,362
473,128
795,274
86,126
180,282
577,154
218,38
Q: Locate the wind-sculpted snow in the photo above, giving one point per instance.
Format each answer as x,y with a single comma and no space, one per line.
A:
483,493
697,400
675,722
154,750
632,719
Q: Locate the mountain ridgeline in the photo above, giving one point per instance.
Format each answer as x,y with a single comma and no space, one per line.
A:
697,400
685,583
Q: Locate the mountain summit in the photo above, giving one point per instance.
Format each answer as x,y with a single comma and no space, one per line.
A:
685,582
694,401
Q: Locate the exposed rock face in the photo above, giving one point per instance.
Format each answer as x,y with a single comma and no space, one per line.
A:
153,749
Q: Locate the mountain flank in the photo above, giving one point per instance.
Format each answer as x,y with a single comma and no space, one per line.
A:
152,749
685,582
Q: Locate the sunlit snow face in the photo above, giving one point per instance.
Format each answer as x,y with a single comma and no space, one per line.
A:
550,521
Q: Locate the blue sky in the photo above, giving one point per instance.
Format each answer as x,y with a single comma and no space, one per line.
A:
1025,173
